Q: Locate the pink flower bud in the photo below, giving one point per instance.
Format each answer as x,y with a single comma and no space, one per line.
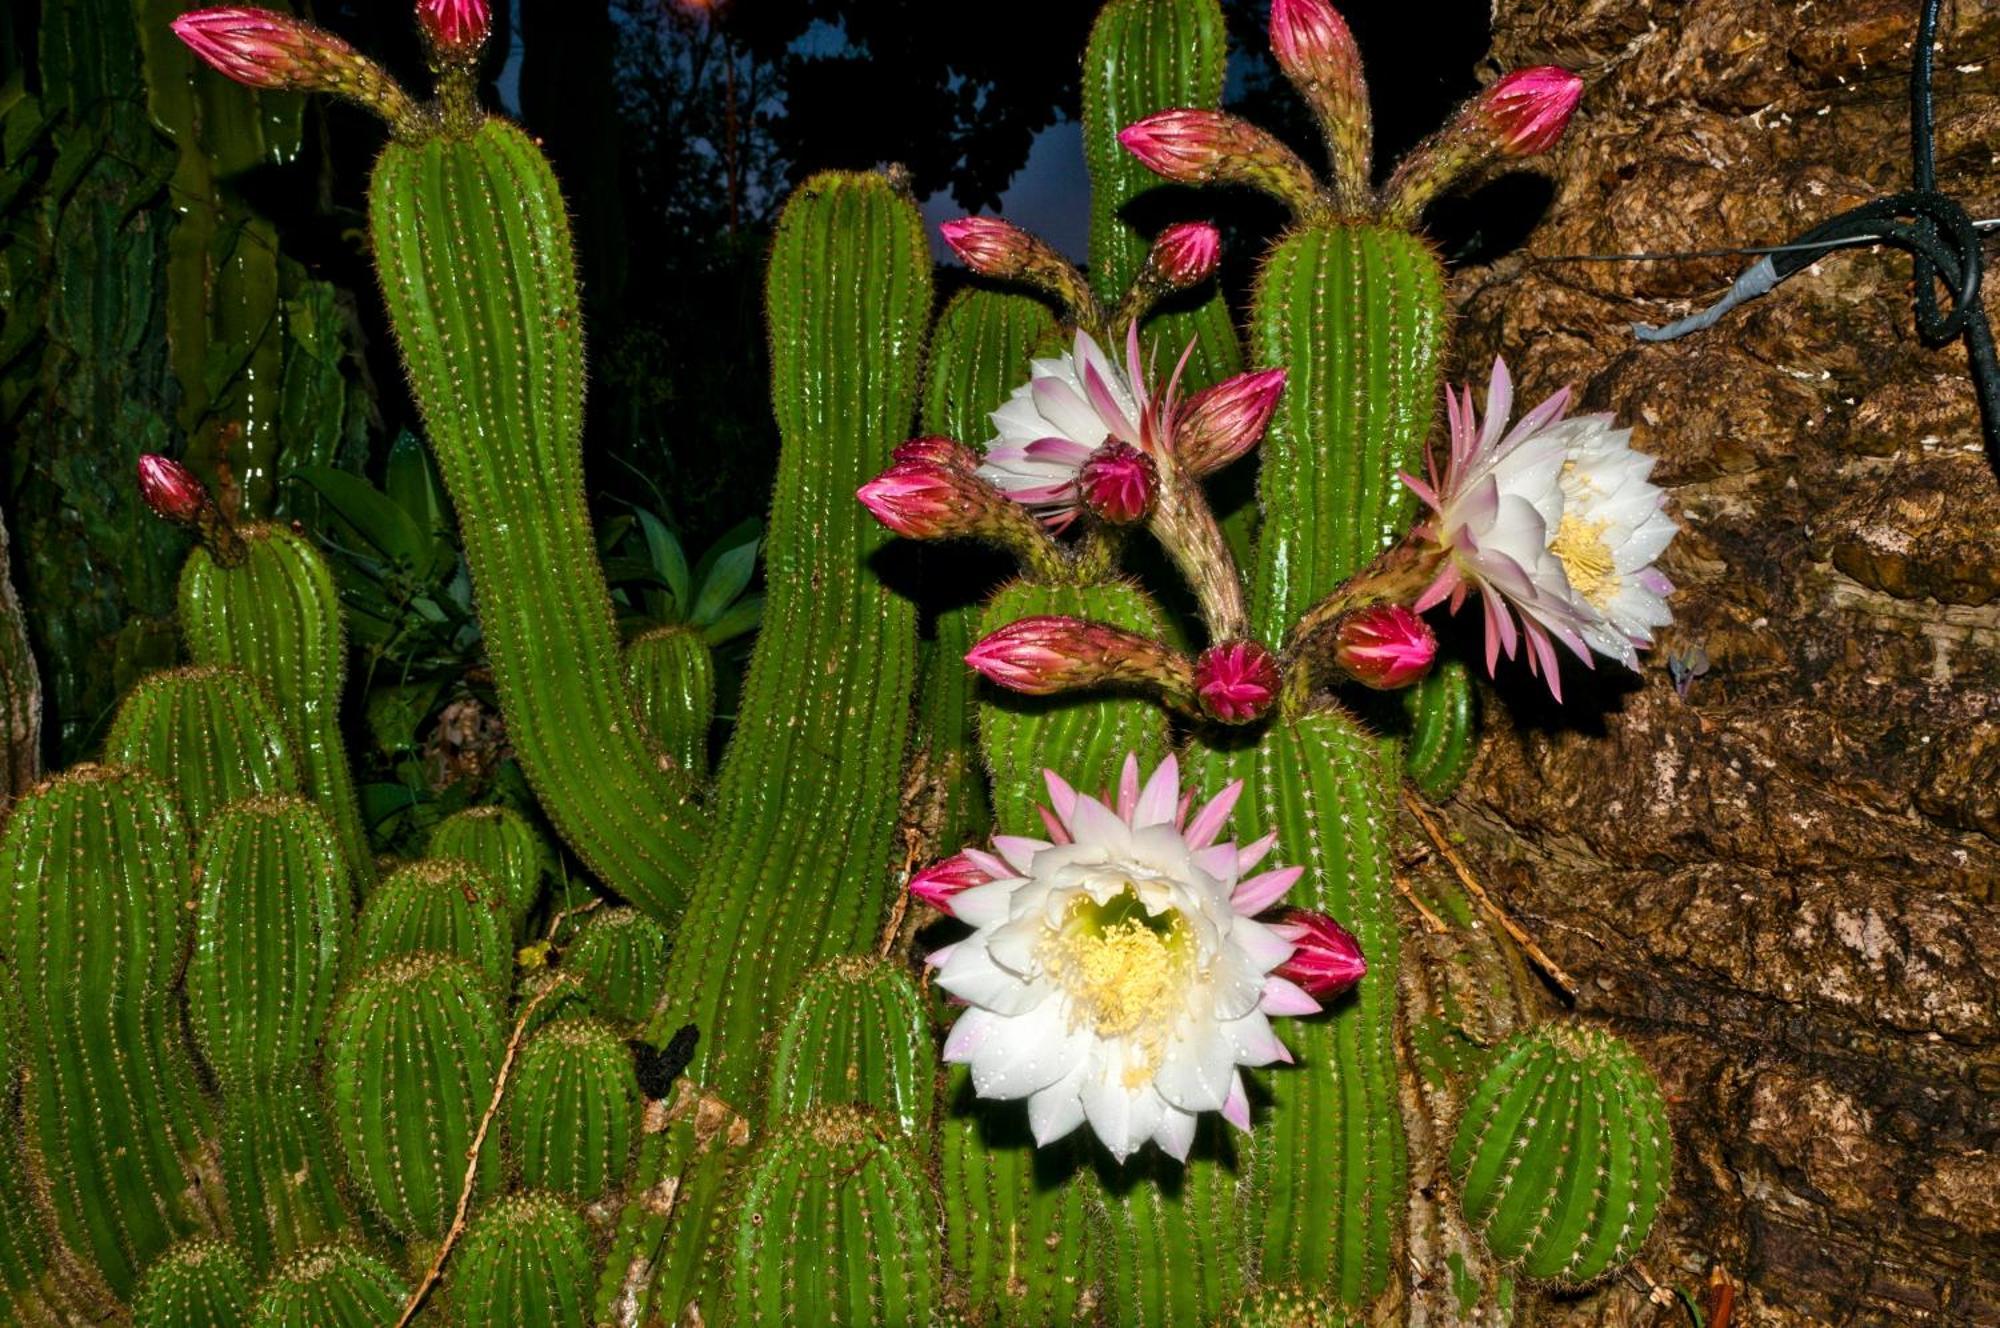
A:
1528,109
1236,681
926,499
1312,42
1047,654
1227,420
990,246
171,489
937,883
1185,253
260,47
1386,646
938,451
1183,145
455,27
1326,959
1118,483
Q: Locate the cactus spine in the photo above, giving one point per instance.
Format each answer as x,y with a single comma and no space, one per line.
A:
497,367
332,1286
1563,1153
437,905
620,956
413,1053
833,1213
501,843
276,616
196,1284
281,1171
525,1264
573,1113
671,672
210,733
858,1034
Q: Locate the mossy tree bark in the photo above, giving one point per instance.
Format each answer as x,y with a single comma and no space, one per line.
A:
1782,887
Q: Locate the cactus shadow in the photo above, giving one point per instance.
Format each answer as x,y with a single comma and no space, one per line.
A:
1491,221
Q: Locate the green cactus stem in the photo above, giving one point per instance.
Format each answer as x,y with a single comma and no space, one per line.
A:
858,1034
1287,1307
834,1225
1444,730
473,245
502,844
211,733
1356,314
441,905
980,351
31,1285
809,792
573,1111
620,957
525,1263
1563,1153
272,907
333,1286
281,1171
276,616
671,673
412,1056
1175,1247
196,1284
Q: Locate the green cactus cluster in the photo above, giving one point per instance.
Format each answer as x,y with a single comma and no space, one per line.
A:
715,1091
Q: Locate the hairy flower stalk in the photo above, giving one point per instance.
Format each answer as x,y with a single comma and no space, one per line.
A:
1049,653
1522,114
266,49
1318,55
999,249
1117,974
1212,147
1184,255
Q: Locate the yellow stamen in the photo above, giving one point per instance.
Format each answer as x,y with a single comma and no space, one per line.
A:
1125,971
1586,558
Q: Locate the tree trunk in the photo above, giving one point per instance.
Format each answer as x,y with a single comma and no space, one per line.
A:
1782,887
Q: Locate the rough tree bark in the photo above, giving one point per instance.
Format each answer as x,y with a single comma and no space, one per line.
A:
1783,887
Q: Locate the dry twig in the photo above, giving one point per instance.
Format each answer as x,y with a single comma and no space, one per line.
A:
1477,891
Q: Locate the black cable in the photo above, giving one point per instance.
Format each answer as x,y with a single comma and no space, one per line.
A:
1935,230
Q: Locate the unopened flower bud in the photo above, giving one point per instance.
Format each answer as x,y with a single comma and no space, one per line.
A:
456,29
1118,483
1222,423
939,451
1318,54
1185,253
1385,646
1236,681
926,499
265,49
171,490
1047,654
1205,147
937,883
1528,109
1311,39
995,248
1326,959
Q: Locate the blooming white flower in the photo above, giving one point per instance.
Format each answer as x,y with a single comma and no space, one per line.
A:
1069,407
1117,973
1554,520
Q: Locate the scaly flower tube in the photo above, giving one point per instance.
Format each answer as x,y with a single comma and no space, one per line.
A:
1117,973
1553,522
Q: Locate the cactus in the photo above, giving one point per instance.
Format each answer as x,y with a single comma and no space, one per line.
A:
1174,1243
620,957
833,1213
439,905
502,844
671,672
1287,1307
211,733
272,909
497,369
858,1034
1563,1153
1444,730
275,614
332,1286
412,1055
281,1172
196,1284
525,1263
573,1113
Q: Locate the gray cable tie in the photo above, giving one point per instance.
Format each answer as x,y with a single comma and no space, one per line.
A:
1757,279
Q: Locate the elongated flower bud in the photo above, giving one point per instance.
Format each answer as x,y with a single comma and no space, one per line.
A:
1326,960
931,493
1209,147
1222,423
1118,483
995,248
1523,113
1385,646
1318,54
456,29
1236,681
1047,654
265,49
171,490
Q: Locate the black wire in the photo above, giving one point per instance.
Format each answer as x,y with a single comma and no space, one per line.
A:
1935,230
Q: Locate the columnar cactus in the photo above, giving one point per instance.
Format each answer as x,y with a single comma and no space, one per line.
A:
501,843
212,733
442,906
332,1286
859,1034
671,672
573,1114
1563,1153
620,958
525,1264
197,1284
